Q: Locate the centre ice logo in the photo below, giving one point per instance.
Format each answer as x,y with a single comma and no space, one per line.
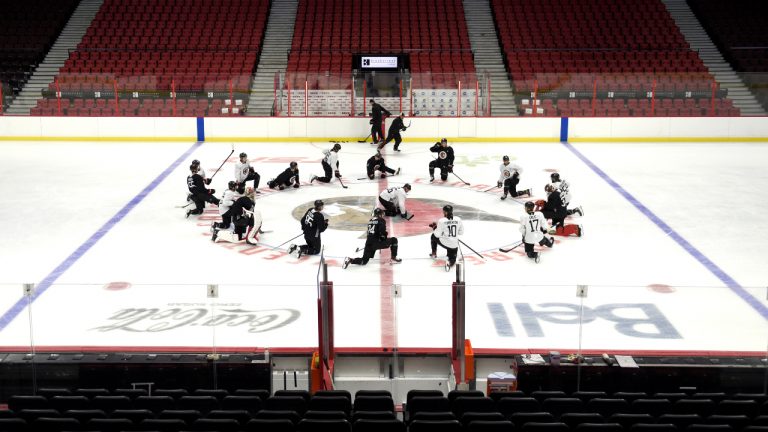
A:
352,213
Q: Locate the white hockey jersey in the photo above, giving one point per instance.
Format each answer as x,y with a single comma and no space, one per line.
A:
331,158
509,170
449,230
531,226
565,193
241,171
396,195
227,200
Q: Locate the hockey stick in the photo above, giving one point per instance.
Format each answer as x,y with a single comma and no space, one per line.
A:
278,246
185,206
364,139
342,183
462,180
225,161
490,189
470,248
510,249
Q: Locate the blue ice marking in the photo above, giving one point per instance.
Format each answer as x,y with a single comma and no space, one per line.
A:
46,283
695,253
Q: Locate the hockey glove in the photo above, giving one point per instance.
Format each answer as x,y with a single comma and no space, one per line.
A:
296,186
281,187
498,184
207,181
433,225
450,168
338,174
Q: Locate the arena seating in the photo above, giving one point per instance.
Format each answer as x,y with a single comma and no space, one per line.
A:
286,410
27,31
328,32
738,30
146,49
601,49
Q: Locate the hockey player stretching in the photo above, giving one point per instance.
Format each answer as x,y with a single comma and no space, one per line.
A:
198,193
286,178
446,232
553,208
393,200
330,164
375,240
312,224
244,172
509,178
565,193
533,226
246,219
444,160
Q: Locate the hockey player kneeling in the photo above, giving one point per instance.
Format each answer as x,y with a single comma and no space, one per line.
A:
393,200
245,219
533,226
446,234
375,240
287,178
554,209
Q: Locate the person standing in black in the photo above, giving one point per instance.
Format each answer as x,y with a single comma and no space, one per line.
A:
444,160
198,192
394,132
376,239
377,116
377,163
312,224
286,178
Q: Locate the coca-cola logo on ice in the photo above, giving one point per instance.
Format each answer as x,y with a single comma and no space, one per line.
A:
176,316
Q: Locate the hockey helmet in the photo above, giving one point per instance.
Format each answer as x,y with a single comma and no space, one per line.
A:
549,188
232,185
378,212
448,210
243,155
336,147
293,164
319,204
529,206
505,158
407,187
195,162
444,140
555,177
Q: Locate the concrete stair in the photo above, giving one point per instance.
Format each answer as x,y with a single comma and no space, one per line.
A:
699,40
274,56
488,56
46,71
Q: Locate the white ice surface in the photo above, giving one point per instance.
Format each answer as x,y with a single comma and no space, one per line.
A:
57,195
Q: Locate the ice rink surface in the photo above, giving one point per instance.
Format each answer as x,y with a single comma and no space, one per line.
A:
673,253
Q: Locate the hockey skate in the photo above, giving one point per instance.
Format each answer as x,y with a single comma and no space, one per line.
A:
433,255
448,266
536,259
213,227
215,234
525,192
397,172
189,212
298,253
581,230
431,179
292,248
579,210
314,177
396,260
347,260
503,197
